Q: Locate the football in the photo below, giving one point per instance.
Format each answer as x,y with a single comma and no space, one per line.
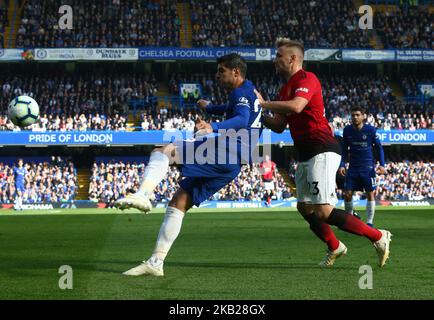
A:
23,111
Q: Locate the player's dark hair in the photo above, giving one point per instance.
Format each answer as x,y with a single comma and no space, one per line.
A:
358,108
234,61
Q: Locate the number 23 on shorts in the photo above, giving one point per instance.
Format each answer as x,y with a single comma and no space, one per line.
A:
313,187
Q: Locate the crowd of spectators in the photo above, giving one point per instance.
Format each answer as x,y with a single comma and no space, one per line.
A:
68,100
108,23
410,86
130,23
374,94
75,122
49,181
404,180
115,179
407,180
340,93
317,23
166,119
101,101
407,27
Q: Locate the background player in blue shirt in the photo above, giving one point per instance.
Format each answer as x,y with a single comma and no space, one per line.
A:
19,175
360,140
201,180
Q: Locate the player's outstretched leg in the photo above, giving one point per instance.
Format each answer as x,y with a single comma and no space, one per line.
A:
155,171
380,238
169,231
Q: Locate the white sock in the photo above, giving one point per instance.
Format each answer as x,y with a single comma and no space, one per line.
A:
169,231
370,211
155,171
349,207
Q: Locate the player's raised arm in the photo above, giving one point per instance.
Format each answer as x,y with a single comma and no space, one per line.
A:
240,120
295,105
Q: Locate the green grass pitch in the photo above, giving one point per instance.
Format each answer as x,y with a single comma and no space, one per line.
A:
220,254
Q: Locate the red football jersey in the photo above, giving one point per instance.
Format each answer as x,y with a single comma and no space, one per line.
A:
269,175
309,129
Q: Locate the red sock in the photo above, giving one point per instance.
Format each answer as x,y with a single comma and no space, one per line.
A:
329,237
349,223
323,231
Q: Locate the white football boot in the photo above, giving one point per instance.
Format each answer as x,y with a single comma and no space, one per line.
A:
152,267
382,247
140,202
331,256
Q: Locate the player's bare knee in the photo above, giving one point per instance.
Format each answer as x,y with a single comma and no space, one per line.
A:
322,211
181,201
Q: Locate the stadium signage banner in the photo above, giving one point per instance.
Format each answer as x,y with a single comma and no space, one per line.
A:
320,54
408,203
368,55
172,53
403,136
11,54
415,55
151,137
250,54
72,54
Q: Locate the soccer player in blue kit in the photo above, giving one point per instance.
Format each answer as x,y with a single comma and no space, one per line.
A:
360,139
19,174
201,180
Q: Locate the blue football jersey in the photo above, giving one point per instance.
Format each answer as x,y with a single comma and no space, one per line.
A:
243,112
19,174
360,145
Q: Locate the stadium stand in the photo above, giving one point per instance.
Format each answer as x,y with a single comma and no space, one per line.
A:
100,24
406,27
112,179
47,181
258,22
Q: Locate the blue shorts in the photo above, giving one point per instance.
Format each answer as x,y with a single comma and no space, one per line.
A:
20,187
360,180
202,181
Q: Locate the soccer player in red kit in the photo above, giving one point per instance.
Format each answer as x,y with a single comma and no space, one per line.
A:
267,168
301,106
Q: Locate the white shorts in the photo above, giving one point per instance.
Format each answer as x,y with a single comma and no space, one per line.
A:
315,179
269,185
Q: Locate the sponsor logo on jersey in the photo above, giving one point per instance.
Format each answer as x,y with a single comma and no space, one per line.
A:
305,90
243,100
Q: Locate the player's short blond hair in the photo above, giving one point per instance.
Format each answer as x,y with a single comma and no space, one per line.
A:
280,42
